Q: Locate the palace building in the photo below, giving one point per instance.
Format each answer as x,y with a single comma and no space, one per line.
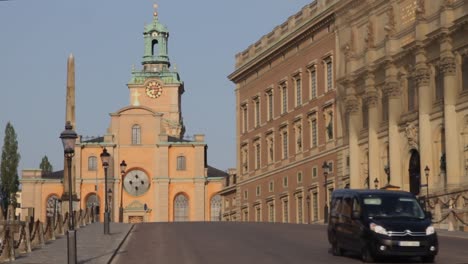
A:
287,122
167,177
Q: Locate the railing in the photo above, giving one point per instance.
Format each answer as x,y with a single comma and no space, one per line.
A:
450,211
19,237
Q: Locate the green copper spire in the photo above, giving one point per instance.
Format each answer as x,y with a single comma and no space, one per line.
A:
156,36
156,59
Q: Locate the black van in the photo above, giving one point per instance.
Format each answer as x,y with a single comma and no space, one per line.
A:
379,223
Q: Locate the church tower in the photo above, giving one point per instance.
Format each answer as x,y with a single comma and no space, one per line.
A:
157,86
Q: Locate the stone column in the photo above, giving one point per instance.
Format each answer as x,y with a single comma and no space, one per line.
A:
393,93
371,99
425,104
452,154
352,109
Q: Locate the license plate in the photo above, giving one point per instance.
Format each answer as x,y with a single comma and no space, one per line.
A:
409,243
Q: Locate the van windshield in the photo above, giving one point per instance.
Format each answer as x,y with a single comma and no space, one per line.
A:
392,207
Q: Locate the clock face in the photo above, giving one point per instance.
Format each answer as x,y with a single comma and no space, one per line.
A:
136,182
154,89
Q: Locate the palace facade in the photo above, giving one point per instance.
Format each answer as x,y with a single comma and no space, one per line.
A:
167,177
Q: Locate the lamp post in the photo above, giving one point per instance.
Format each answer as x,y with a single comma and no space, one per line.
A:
109,199
308,208
325,175
123,168
426,171
105,157
376,183
387,171
68,137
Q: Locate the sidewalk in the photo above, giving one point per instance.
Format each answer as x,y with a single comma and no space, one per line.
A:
457,234
92,246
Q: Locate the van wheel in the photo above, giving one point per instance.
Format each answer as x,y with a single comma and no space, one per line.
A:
366,255
428,259
336,250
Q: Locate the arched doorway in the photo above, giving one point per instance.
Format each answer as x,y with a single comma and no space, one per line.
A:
414,172
54,206
181,208
216,208
93,201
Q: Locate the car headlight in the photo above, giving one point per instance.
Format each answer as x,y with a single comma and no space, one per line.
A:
430,230
378,229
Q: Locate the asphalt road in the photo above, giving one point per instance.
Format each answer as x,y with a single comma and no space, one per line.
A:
229,242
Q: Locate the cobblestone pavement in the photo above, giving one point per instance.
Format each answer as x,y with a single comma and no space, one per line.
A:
93,247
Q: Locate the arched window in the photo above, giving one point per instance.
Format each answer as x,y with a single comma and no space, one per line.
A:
155,48
53,206
92,163
92,201
181,163
136,135
181,208
216,208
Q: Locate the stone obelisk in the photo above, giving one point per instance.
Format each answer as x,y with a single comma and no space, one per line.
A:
70,117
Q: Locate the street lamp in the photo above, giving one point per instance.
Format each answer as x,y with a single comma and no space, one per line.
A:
426,171
123,168
308,208
376,183
325,175
68,137
387,171
105,157
109,198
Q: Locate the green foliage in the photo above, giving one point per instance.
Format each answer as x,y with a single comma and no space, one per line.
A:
9,166
45,166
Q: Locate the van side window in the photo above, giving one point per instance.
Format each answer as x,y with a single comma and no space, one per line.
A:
336,206
347,206
356,206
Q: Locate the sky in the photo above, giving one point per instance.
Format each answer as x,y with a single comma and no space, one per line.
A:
105,36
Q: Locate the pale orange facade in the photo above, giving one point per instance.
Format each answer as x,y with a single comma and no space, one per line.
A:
167,177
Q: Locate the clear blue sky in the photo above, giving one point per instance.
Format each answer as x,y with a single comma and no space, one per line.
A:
36,37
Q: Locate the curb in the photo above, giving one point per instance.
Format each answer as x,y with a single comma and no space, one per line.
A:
120,245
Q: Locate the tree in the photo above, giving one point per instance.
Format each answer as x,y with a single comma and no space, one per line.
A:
45,166
9,166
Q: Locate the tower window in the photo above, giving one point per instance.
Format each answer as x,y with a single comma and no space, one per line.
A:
155,48
92,163
181,163
136,135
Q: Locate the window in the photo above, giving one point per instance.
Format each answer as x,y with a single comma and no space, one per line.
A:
258,191
384,108
245,156
314,172
284,98
329,72
285,144
181,163
298,136
300,210
412,95
365,116
258,214
257,111
465,73
299,177
271,149
330,167
271,212
246,194
245,215
216,208
315,206
439,84
285,181
244,118
181,208
285,211
257,155
313,82
136,135
313,128
92,163
271,187
328,116
270,104
298,86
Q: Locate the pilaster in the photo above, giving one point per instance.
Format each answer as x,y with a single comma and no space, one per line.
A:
199,203
161,193
371,99
452,153
393,93
352,110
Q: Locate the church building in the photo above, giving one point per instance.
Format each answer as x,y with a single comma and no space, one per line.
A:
167,177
